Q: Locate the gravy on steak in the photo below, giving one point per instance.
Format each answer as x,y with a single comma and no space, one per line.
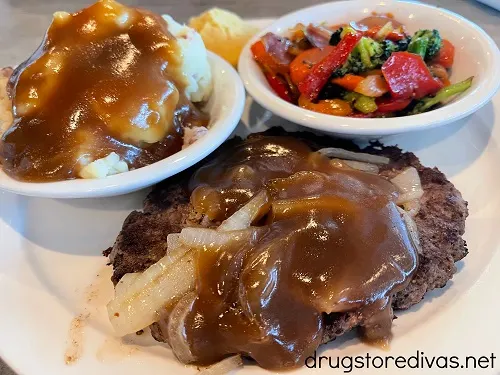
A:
333,241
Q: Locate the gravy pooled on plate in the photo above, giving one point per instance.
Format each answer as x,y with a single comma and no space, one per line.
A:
332,241
105,79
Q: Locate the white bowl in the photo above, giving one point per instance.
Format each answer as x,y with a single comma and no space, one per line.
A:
476,55
225,107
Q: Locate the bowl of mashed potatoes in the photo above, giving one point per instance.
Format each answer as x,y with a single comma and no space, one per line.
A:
115,99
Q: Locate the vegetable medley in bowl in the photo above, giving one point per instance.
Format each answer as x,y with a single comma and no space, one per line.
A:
368,69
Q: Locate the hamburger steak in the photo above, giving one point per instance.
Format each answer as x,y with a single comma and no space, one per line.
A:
440,222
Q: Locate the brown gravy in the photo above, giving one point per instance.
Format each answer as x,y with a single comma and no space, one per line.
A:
333,242
103,80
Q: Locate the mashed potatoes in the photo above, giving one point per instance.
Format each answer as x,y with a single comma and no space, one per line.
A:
107,166
223,32
195,67
197,76
189,70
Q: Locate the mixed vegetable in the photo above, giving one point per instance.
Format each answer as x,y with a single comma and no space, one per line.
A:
370,68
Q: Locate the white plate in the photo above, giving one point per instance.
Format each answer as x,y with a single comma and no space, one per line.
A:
225,107
476,55
50,255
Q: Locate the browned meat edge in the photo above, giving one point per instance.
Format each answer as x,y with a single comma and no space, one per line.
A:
441,224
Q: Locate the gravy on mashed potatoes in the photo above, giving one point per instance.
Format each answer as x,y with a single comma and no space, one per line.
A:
110,88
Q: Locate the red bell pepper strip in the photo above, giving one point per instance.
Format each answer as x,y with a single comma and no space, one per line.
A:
279,87
320,73
392,105
408,76
446,54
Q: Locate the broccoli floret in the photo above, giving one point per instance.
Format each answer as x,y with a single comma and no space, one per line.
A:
331,91
369,54
426,43
442,95
353,65
364,57
403,44
336,37
389,47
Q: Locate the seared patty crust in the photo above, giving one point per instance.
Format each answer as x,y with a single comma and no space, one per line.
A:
440,222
